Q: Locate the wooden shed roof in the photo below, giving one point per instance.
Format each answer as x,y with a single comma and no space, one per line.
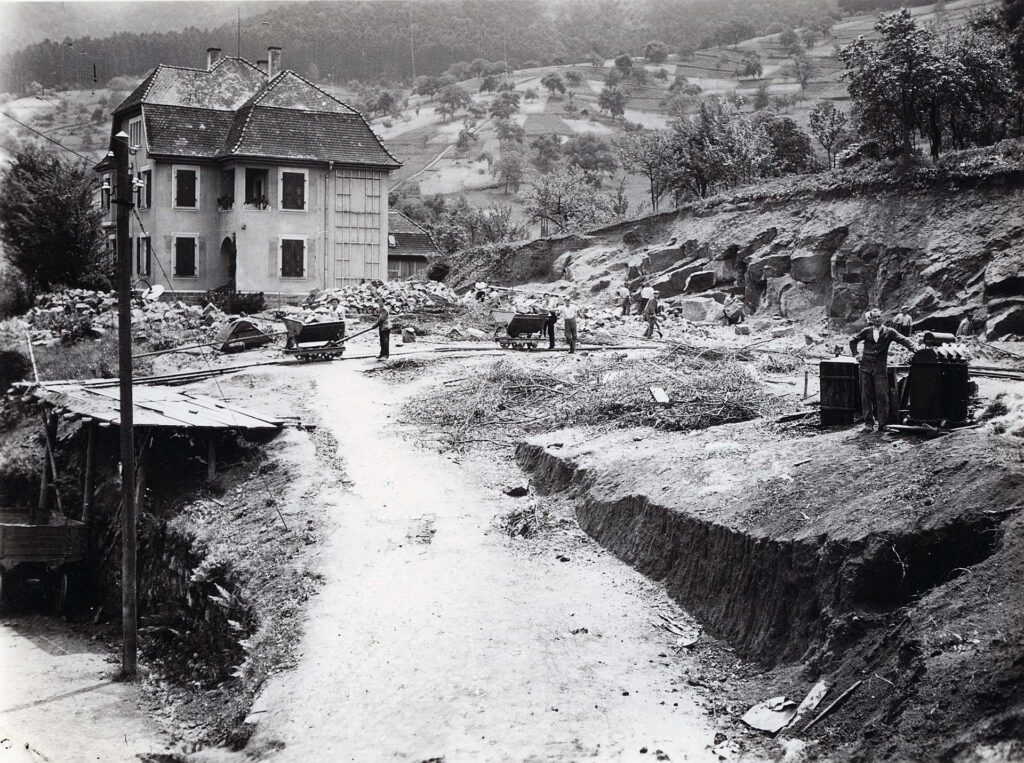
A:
153,407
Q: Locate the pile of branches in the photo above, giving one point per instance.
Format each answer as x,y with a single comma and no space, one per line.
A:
512,398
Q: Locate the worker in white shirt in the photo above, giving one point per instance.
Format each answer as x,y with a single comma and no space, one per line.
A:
569,315
646,294
623,296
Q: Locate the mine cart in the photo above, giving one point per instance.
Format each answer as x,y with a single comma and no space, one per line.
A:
518,331
40,549
322,340
242,334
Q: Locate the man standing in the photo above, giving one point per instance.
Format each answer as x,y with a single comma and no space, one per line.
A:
569,313
551,306
874,368
622,293
646,294
383,326
903,322
651,316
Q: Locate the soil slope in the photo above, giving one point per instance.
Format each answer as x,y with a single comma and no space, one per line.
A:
858,557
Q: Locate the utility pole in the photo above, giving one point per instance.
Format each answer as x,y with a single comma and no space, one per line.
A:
129,600
412,46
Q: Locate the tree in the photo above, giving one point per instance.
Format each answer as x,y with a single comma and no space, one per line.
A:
592,154
647,153
567,201
98,115
553,82
803,69
624,64
640,75
597,60
490,82
828,125
662,74
49,226
530,94
505,104
790,42
479,66
791,146
510,168
613,78
809,36
426,85
612,100
761,99
451,99
656,51
548,152
573,78
752,65
508,131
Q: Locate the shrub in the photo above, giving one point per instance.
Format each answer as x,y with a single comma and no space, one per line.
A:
235,302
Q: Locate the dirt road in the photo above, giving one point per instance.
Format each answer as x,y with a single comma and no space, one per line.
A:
437,636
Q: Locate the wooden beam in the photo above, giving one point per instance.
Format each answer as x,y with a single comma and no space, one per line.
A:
90,467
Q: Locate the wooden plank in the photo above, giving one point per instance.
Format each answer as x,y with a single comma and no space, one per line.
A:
660,396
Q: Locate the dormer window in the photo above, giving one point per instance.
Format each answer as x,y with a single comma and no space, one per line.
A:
135,132
391,240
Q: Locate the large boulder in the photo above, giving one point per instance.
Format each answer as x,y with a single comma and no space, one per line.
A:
801,302
696,309
701,280
1005,317
778,263
810,266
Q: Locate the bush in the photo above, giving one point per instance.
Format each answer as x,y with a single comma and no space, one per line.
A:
236,302
439,268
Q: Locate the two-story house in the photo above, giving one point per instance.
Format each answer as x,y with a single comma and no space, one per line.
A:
252,178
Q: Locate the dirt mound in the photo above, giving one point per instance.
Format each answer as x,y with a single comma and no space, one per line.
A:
847,555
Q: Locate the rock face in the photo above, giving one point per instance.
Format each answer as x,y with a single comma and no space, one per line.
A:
943,250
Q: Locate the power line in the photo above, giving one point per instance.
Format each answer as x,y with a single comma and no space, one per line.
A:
47,137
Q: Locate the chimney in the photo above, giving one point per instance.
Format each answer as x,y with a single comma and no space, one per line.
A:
212,57
262,64
274,65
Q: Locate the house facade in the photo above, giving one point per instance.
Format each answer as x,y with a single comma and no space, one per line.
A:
409,247
253,179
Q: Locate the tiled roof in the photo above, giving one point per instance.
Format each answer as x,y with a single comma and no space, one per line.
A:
410,239
232,110
181,131
309,135
227,86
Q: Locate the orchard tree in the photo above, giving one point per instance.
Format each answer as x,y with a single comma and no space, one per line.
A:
612,100
647,153
803,69
49,226
567,201
573,78
752,66
624,63
508,131
790,42
505,104
553,82
530,94
656,51
451,99
828,125
790,146
510,169
547,152
426,85
489,83
761,99
592,154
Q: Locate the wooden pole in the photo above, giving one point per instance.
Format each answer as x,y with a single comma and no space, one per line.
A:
44,482
90,467
129,612
211,459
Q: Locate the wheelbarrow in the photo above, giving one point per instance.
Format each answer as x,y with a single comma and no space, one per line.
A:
518,331
320,340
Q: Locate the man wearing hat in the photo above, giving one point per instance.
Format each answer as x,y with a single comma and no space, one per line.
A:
874,367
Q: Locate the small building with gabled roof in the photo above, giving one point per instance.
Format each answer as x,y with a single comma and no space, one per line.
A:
252,178
410,247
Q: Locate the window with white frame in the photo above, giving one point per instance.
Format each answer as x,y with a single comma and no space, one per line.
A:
185,190
291,189
106,196
135,132
146,192
291,259
256,187
143,256
186,248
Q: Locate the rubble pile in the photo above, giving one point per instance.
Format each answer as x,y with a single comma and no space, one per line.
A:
73,314
400,297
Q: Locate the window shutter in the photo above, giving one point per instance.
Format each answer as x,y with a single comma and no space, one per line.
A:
310,258
200,256
272,270
168,247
